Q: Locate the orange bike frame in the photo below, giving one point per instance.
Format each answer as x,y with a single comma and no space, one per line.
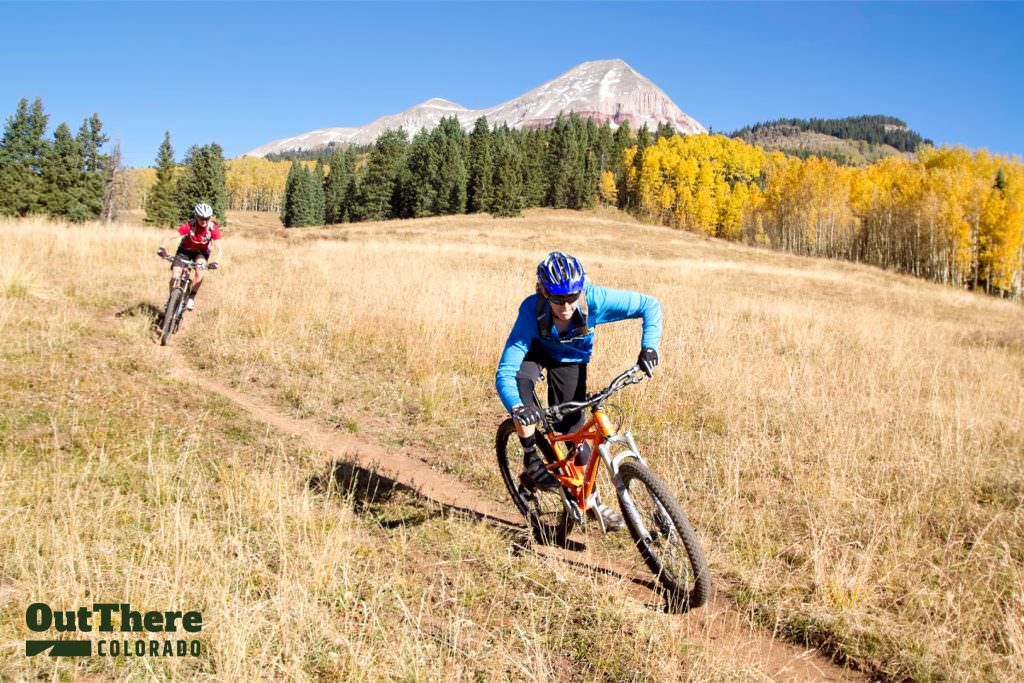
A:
578,480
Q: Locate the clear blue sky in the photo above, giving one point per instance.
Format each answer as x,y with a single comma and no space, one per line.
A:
243,74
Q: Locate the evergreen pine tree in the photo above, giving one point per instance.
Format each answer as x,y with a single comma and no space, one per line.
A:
95,171
304,196
587,172
507,186
643,141
64,194
352,196
603,146
571,187
303,202
162,200
563,152
664,130
621,141
534,144
316,191
23,148
378,196
289,211
452,177
204,182
643,138
335,186
481,167
420,178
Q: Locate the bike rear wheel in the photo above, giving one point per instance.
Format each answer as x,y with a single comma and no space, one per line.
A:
170,313
664,537
545,511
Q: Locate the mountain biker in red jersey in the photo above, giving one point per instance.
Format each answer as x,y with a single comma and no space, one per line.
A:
555,331
198,236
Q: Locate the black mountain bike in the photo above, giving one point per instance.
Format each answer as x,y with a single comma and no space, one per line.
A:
178,298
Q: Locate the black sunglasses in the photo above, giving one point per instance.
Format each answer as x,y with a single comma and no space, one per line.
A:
563,298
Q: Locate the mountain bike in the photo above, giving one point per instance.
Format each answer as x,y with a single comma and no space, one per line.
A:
178,298
659,527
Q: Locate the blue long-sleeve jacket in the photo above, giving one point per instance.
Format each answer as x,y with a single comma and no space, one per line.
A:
604,306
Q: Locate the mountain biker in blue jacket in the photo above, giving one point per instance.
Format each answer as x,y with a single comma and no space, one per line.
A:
555,331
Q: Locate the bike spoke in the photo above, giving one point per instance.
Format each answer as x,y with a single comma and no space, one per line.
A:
660,535
544,510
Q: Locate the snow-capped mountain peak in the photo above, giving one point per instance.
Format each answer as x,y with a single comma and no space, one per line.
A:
604,90
441,103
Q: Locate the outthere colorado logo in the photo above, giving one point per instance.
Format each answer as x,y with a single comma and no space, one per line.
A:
40,618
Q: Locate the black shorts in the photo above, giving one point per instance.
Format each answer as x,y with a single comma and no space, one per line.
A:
566,382
193,256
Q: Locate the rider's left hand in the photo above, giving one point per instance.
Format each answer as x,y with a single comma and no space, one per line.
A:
647,361
213,266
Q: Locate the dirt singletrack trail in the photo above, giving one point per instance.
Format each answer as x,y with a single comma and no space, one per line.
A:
719,625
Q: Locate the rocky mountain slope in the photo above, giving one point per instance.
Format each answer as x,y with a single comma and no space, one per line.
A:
607,90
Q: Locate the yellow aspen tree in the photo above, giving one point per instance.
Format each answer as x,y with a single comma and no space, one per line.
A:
704,211
609,193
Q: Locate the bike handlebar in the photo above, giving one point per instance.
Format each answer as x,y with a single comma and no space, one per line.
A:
627,378
198,265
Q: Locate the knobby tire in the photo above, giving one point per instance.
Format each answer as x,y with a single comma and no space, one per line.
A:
549,522
687,582
170,313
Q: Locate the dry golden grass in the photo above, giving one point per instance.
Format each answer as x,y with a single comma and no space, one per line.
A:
115,488
848,443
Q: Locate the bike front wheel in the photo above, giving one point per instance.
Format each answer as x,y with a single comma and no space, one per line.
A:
664,537
545,511
170,313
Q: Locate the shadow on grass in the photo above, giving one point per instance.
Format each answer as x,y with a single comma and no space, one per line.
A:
370,491
155,315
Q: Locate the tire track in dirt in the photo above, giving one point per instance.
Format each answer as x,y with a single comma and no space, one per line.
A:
719,625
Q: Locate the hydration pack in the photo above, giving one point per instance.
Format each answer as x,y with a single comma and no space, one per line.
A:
205,239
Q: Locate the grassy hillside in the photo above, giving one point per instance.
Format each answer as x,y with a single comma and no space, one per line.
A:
801,143
846,441
852,141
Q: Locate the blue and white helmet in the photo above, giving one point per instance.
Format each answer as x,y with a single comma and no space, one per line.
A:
560,274
203,211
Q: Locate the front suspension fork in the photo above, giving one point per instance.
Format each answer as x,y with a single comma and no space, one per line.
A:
614,462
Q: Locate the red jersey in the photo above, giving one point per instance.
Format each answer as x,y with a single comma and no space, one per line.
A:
197,239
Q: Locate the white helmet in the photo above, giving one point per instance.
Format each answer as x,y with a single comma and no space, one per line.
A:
203,211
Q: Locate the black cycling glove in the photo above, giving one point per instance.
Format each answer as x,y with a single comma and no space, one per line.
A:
526,416
161,252
647,361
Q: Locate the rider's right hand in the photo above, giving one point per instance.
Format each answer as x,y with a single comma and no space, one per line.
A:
161,252
526,416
